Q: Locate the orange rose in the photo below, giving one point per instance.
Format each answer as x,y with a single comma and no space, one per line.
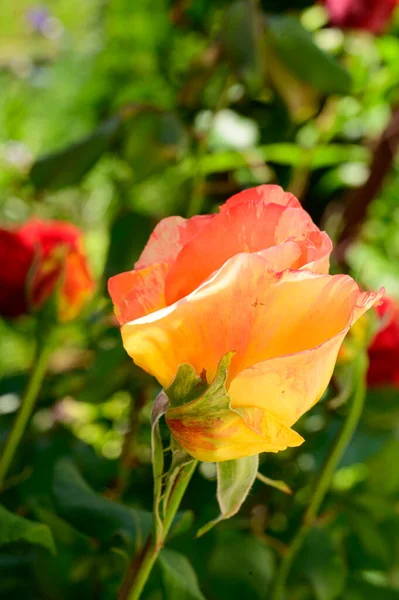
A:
251,280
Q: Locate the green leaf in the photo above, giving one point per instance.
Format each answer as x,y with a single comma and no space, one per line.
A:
178,577
360,590
95,516
68,166
14,528
322,565
240,567
125,248
235,479
295,46
166,141
285,153
242,41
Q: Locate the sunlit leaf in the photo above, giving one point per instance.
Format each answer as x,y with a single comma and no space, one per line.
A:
297,49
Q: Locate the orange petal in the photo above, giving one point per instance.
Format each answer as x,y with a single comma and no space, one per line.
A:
249,226
78,286
138,293
323,247
270,194
246,308
168,239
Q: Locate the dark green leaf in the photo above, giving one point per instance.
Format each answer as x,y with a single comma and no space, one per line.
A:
322,565
240,567
93,515
242,40
178,577
14,528
362,590
165,141
128,235
68,166
307,61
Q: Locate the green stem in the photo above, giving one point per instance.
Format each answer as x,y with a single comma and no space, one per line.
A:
28,402
323,482
142,564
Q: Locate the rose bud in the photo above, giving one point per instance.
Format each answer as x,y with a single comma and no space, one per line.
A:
38,259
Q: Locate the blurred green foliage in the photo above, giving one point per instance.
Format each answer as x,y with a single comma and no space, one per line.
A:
112,116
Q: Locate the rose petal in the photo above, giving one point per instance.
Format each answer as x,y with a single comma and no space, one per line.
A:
77,287
47,235
287,386
16,257
138,293
270,194
245,227
246,308
168,239
227,436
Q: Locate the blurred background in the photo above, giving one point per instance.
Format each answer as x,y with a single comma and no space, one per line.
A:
114,114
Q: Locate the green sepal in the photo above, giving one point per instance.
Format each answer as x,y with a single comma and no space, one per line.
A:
158,410
201,398
186,386
234,481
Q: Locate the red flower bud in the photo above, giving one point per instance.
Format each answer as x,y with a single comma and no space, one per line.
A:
34,260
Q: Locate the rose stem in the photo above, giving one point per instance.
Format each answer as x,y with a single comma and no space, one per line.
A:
28,402
142,564
323,482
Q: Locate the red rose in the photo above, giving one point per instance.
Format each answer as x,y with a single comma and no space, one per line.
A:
34,259
371,15
384,351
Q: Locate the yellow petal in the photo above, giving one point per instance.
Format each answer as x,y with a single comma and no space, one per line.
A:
288,386
245,308
226,436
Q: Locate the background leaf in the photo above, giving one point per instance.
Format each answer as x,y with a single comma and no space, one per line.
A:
14,528
178,577
296,48
320,562
95,516
68,166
